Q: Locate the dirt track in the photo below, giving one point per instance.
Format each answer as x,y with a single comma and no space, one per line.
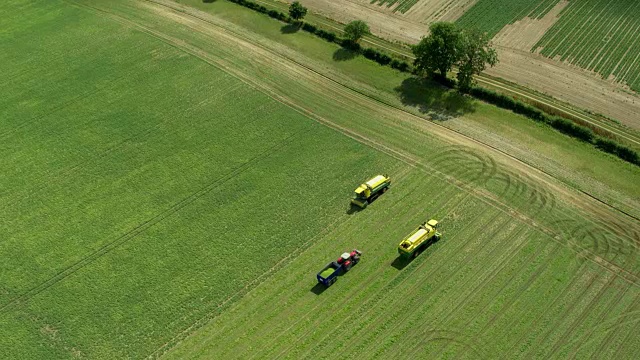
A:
568,83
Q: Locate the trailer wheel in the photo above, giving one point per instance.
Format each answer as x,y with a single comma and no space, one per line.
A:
333,281
385,190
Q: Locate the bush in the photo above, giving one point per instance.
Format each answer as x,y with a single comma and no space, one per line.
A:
327,35
309,28
507,102
570,128
620,151
400,65
376,56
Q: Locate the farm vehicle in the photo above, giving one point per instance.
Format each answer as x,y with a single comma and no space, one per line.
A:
419,239
369,191
329,274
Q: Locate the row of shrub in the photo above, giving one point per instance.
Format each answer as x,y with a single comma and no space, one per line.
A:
369,53
506,102
559,123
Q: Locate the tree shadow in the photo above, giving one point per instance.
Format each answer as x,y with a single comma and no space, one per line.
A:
318,289
434,99
290,29
343,54
208,1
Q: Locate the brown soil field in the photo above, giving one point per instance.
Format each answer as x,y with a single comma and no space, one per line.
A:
565,82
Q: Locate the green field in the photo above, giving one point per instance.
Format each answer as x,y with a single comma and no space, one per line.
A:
172,178
598,35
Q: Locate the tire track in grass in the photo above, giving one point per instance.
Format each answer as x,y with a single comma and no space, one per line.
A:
601,318
566,315
283,287
560,295
265,302
254,283
620,321
493,274
601,325
363,311
371,302
562,318
578,321
624,341
407,309
472,169
131,234
278,293
583,310
448,318
456,151
483,278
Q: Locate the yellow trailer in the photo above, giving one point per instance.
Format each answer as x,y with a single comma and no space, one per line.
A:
369,191
419,239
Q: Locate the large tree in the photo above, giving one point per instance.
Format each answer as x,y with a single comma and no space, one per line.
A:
439,51
355,30
474,55
297,11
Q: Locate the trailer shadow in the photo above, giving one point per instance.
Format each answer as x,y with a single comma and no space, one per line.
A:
318,289
400,263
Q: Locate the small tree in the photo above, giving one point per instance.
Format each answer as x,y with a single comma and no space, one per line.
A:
355,30
297,11
438,52
475,53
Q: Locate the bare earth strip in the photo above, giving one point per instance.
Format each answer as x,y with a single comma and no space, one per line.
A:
428,11
568,83
565,82
525,33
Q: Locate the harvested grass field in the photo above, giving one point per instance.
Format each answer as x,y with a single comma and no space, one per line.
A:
179,180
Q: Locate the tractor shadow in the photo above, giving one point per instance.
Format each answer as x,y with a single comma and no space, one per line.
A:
318,289
353,209
400,263
434,99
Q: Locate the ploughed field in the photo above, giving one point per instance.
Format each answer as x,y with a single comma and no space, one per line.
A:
172,183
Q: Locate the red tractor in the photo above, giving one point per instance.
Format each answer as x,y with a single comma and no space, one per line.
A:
329,274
